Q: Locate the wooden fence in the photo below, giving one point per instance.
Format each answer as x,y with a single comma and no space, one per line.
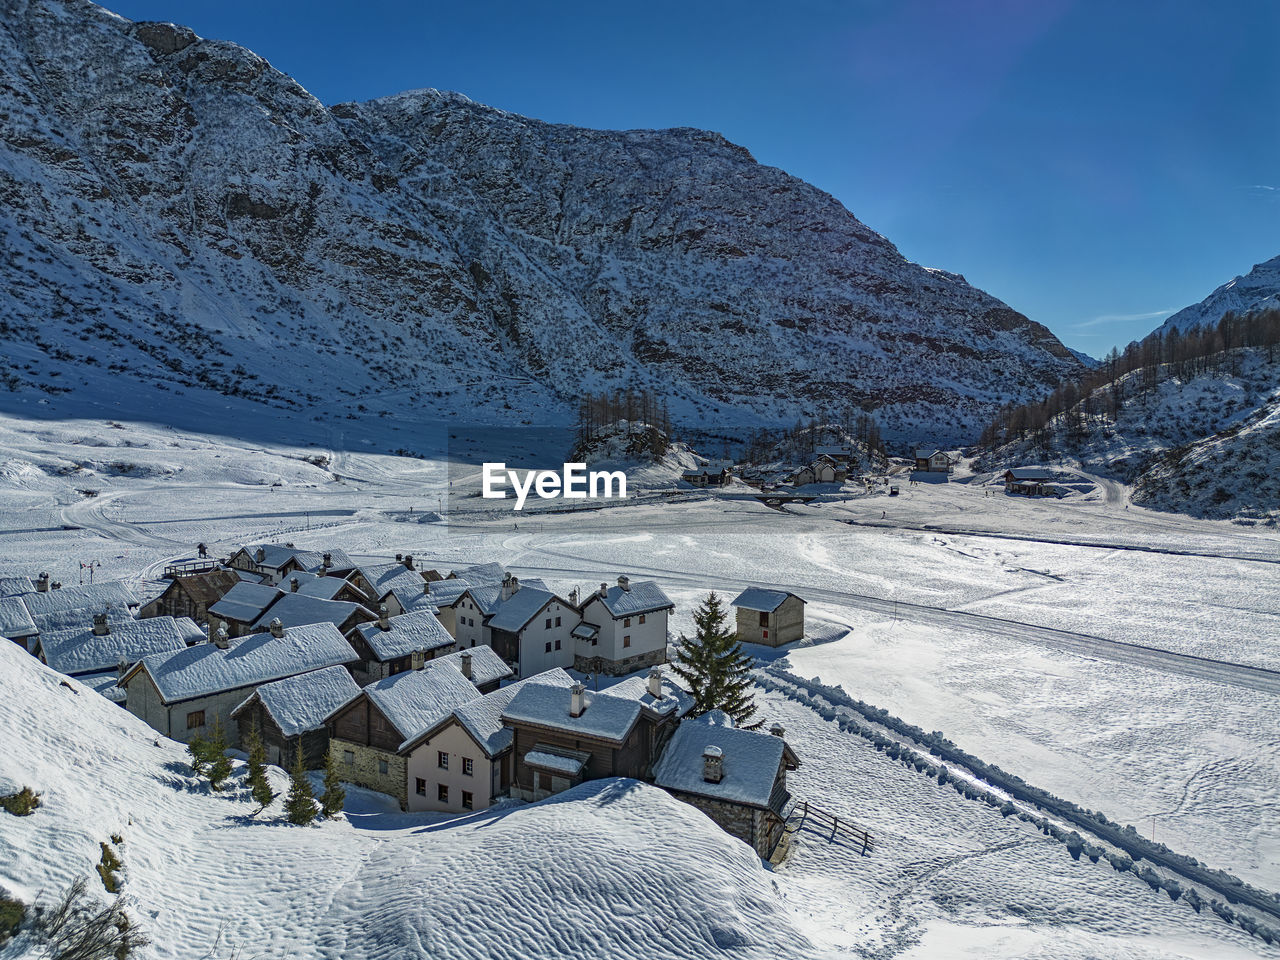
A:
846,828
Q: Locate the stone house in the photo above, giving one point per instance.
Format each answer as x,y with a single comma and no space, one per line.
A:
623,628
290,713
390,645
191,596
241,607
738,778
563,737
182,693
769,617
463,762
367,732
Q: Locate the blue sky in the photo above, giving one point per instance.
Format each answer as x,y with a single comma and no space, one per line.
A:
1096,165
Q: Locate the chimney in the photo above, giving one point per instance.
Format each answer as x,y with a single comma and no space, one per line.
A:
655,683
121,669
778,730
509,586
42,583
408,561
399,558
100,628
384,623
576,700
465,661
214,624
325,564
712,764
277,628
625,583
604,589
260,556
293,584
220,639
417,660
56,585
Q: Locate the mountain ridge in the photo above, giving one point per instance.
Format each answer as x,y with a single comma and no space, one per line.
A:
195,216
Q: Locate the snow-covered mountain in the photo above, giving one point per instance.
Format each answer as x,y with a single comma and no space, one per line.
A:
175,211
1256,290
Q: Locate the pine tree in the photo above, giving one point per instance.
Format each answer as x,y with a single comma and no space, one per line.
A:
219,762
334,796
714,667
300,805
199,751
259,786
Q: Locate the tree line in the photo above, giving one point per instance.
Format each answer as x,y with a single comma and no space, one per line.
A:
1105,390
599,414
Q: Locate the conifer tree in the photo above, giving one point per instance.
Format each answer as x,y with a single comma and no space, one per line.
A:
714,667
219,762
198,748
259,786
300,805
334,796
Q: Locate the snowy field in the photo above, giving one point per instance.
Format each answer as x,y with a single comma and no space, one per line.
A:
1056,639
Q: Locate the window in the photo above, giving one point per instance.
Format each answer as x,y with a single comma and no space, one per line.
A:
422,787
467,802
195,719
442,759
626,640
468,766
642,618
548,624
626,622
349,757
595,641
764,619
765,634
548,646
557,644
383,769
557,621
442,793
544,781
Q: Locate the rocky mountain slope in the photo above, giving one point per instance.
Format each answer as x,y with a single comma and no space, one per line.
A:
1256,290
174,212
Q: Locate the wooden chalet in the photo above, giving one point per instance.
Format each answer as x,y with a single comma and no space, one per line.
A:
191,596
290,713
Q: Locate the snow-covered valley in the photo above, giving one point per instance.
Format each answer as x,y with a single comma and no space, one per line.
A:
1120,658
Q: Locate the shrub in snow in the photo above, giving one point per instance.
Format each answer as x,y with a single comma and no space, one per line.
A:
1120,862
259,787
334,796
219,763
21,804
78,929
1007,809
12,913
109,865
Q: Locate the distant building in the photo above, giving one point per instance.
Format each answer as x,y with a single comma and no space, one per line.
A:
241,607
712,474
391,645
933,461
1028,481
738,778
191,596
770,617
275,561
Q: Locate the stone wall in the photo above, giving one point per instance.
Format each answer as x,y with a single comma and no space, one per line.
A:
756,828
619,668
364,770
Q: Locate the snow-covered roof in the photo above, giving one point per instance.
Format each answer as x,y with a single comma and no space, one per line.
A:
750,764
15,620
14,586
295,609
1029,473
416,699
299,704
483,718
105,684
322,588
522,606
408,632
96,597
245,602
420,603
277,555
486,665
585,631
258,658
758,598
674,700
445,593
643,597
480,573
561,763
189,630
604,717
81,651
927,454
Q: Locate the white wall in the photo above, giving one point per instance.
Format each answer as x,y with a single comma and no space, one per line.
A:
645,637
423,763
534,657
